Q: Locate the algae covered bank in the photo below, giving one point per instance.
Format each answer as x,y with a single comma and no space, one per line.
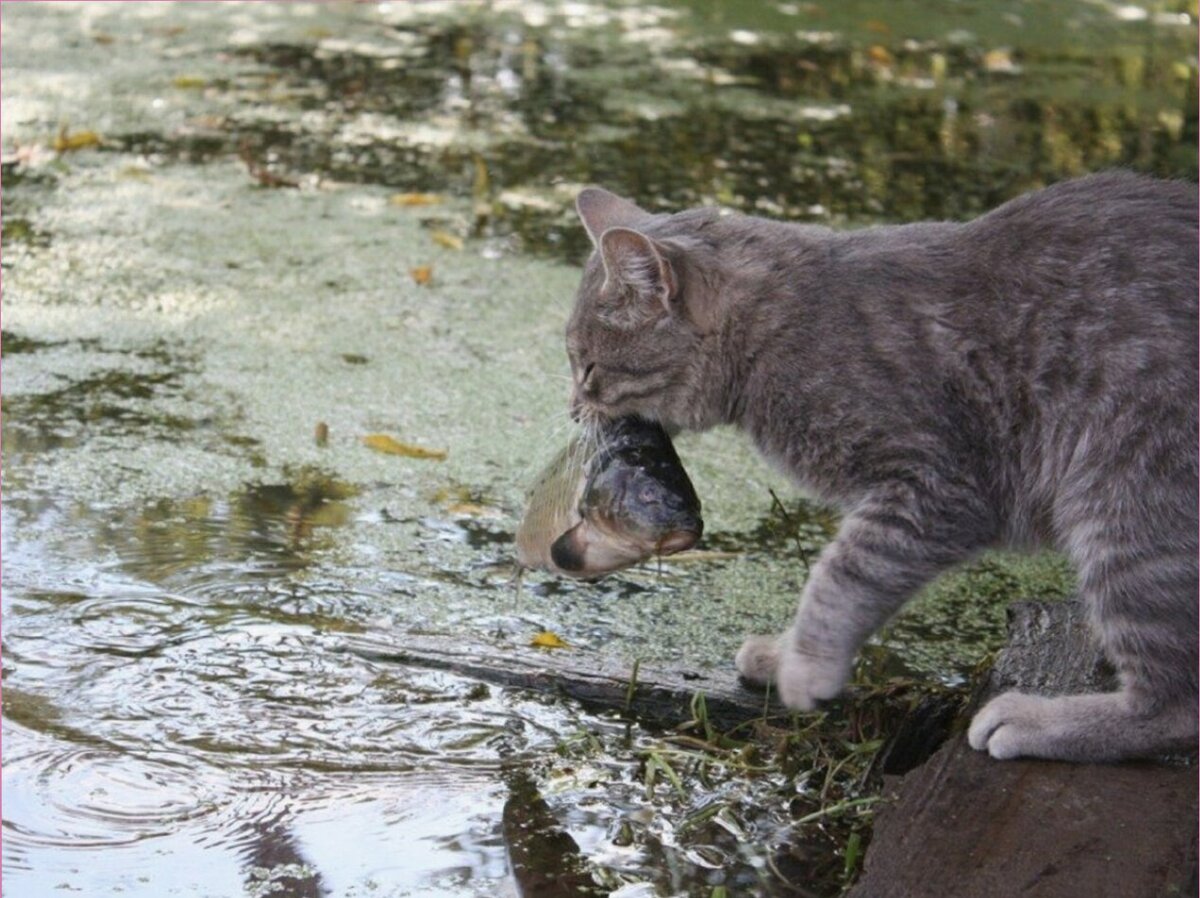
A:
284,288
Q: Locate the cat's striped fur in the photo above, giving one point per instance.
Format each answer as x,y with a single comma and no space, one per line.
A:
1025,379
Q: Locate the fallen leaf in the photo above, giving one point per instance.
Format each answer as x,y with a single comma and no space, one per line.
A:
472,510
481,187
134,173
189,82
879,55
448,240
322,433
414,199
548,640
1000,61
421,274
261,173
67,142
381,442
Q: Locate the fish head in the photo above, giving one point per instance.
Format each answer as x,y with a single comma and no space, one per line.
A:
649,500
630,513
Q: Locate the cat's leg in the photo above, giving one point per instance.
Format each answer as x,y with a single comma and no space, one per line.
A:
886,549
1135,548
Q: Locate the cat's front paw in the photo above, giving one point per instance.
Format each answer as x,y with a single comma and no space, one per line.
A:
1013,725
803,681
757,659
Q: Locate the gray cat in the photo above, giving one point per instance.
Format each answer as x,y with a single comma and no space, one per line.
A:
1025,379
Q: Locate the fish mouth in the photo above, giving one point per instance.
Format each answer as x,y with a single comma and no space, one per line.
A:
677,541
569,552
590,549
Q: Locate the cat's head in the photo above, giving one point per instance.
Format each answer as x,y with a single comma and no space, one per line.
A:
640,333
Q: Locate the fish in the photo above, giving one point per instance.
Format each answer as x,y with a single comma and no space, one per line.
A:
610,502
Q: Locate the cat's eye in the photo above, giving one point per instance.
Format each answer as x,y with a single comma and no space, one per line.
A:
587,372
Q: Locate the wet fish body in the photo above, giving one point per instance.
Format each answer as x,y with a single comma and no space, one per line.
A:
598,508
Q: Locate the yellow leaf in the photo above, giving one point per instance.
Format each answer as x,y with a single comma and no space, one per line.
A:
548,640
879,55
482,184
414,199
448,240
472,510
1000,60
189,82
381,442
421,274
66,142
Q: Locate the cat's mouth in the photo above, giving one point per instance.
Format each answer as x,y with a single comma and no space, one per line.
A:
589,414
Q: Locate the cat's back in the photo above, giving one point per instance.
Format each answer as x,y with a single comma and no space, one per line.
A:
1112,223
1114,256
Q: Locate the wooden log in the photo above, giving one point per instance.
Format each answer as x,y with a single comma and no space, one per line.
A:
656,695
963,824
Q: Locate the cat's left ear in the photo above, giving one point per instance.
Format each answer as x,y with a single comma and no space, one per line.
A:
600,210
637,268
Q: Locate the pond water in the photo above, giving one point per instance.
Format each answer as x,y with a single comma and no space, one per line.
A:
227,226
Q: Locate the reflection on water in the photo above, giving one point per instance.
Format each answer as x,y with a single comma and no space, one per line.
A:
179,715
212,735
841,115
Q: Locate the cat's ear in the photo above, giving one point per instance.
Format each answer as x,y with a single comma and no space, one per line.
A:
600,210
636,269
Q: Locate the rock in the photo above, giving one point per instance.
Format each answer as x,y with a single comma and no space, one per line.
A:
965,825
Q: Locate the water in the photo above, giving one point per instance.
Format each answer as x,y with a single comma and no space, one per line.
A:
184,562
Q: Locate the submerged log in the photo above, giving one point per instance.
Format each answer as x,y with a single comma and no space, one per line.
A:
657,695
963,824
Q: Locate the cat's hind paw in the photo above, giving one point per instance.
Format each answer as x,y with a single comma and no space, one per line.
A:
1012,725
758,658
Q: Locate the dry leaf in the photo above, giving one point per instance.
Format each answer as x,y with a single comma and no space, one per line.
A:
421,274
189,82
879,55
481,186
322,433
66,142
381,442
414,199
1000,61
448,240
548,640
472,510
261,173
